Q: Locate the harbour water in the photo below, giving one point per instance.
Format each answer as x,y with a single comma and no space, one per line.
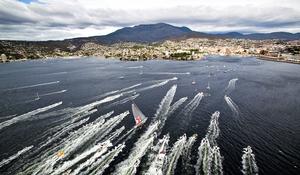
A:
258,102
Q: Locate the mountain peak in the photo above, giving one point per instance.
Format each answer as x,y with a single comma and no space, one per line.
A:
147,33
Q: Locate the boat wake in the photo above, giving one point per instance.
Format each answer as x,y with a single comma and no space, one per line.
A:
158,83
27,116
123,101
186,154
53,93
210,159
140,148
31,86
136,67
118,91
15,156
216,161
176,105
169,73
129,166
188,110
174,155
234,107
213,130
89,133
248,162
157,158
231,85
204,160
165,104
98,167
96,151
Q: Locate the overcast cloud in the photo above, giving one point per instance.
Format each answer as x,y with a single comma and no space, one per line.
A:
60,19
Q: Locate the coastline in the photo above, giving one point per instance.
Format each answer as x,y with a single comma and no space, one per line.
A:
260,57
276,59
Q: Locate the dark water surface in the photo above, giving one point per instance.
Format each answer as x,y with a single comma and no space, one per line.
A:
266,93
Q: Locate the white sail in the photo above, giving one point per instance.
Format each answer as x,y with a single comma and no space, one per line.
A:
139,117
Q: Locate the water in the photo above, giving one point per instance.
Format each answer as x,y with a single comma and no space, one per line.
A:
266,94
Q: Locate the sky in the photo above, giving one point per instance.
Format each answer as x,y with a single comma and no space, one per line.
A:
61,19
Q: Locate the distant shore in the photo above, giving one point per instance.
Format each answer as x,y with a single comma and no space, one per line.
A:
181,50
266,58
276,59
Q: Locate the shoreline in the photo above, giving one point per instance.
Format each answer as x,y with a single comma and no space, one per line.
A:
260,57
276,59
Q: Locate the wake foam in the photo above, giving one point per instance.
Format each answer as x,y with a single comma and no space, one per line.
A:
174,155
26,116
231,85
213,130
15,156
248,162
233,107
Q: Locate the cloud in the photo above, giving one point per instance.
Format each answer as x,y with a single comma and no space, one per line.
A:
56,19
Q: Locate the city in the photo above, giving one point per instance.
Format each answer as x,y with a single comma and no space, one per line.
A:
188,49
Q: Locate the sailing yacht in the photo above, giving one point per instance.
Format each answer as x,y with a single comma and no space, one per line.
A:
139,117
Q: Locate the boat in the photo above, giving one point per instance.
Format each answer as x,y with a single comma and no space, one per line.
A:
139,117
37,96
208,86
193,82
156,168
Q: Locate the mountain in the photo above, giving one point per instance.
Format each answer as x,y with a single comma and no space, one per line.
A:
145,33
161,31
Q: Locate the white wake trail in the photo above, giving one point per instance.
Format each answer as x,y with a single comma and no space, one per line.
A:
64,130
53,93
35,85
210,160
248,161
108,126
129,166
99,102
203,165
8,117
15,156
27,115
127,135
158,83
140,148
136,67
75,141
186,154
213,130
231,85
118,91
57,73
234,107
174,155
98,167
157,157
189,108
96,150
176,105
193,104
123,101
97,130
67,126
163,111
169,73
216,161
113,136
165,104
